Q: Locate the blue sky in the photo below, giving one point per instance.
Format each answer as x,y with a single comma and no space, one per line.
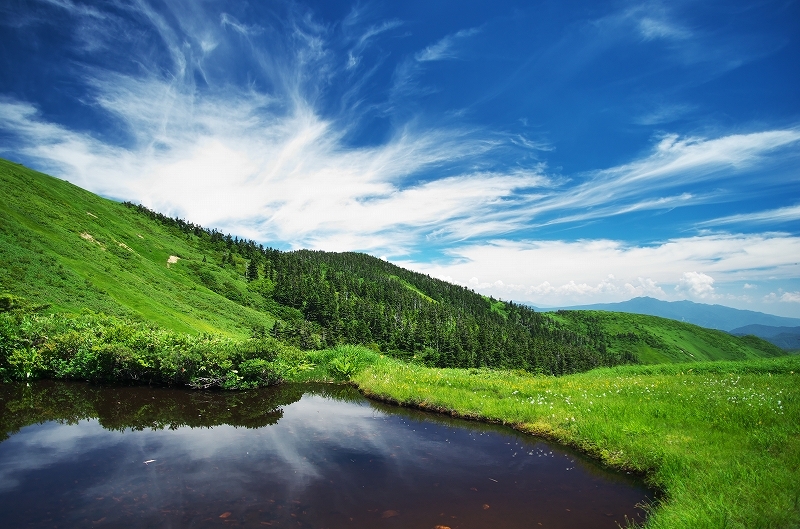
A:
551,152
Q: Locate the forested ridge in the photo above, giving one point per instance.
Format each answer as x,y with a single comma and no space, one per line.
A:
324,299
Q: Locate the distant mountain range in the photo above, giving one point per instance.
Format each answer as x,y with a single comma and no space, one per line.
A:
784,337
709,316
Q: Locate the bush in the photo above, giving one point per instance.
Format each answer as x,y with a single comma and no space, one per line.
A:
8,302
100,348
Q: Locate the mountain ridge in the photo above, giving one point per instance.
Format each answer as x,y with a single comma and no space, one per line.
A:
715,316
787,338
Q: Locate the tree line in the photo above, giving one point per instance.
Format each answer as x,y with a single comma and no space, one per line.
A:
355,298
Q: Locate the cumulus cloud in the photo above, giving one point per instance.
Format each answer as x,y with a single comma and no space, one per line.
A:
785,297
696,284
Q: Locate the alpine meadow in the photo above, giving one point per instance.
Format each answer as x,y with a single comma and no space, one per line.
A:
115,293
337,264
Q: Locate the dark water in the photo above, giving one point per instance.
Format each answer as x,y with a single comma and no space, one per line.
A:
298,456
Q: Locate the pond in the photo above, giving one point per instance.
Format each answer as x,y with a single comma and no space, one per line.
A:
298,455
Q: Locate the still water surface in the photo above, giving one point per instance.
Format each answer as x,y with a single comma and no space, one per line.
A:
297,456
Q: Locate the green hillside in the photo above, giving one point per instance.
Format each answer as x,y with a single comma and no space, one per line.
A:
65,249
63,246
655,340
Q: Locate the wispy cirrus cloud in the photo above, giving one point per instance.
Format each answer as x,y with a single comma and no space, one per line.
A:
227,20
664,113
770,216
445,48
236,161
405,79
362,40
659,27
675,163
79,9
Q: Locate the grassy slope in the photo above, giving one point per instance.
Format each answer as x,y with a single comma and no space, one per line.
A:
414,289
720,439
44,258
122,270
656,340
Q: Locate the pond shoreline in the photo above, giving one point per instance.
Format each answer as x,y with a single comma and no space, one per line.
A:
546,435
308,452
709,438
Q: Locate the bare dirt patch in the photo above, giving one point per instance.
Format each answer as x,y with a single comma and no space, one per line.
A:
88,237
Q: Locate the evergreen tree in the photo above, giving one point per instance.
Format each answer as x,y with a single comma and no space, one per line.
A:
252,270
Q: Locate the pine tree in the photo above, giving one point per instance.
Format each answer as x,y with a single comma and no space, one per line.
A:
252,270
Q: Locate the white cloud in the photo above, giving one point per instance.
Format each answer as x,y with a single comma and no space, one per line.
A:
270,164
374,31
785,214
791,297
77,9
664,113
444,48
785,297
243,29
674,163
563,272
696,284
233,166
363,39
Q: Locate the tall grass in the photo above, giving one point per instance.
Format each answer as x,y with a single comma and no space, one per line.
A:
721,440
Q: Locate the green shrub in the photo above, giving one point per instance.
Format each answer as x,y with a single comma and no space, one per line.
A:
100,348
8,302
342,368
343,361
257,372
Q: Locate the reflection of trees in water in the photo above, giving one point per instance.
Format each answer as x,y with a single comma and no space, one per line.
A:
139,408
